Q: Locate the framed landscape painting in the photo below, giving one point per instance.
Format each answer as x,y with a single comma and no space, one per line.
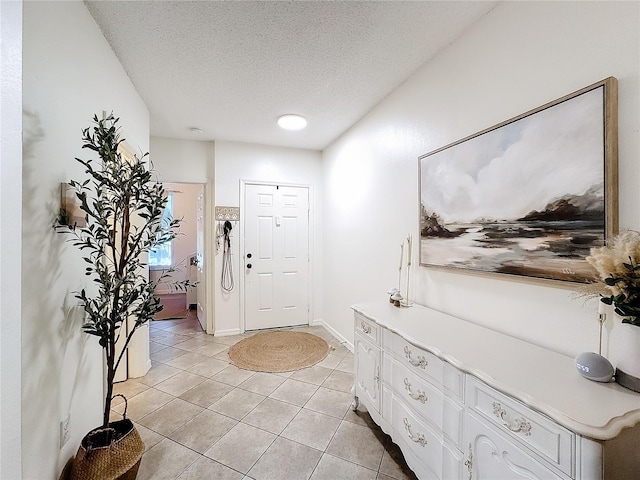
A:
530,196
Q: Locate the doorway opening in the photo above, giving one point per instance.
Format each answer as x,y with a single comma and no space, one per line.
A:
186,252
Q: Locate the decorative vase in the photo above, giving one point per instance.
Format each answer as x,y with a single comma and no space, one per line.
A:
627,356
109,453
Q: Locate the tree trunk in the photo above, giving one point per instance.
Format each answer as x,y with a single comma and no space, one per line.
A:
111,351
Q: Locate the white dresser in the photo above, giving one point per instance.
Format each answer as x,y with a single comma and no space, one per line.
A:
466,402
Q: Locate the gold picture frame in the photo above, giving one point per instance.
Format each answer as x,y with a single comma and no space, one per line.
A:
529,196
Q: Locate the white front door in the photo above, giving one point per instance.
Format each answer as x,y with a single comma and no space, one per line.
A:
276,256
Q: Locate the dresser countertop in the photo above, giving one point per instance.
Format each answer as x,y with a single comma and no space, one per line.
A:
544,380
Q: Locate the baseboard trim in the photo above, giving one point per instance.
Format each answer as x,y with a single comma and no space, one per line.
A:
226,333
317,322
335,333
140,374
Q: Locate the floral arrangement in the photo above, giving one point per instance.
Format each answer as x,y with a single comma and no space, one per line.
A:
618,266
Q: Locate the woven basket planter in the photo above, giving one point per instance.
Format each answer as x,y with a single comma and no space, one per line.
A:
109,453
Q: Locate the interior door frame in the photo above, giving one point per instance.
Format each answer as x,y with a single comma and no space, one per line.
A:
209,250
310,242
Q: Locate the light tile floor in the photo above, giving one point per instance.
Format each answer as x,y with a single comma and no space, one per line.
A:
202,418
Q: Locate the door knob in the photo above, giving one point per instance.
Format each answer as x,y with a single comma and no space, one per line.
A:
249,265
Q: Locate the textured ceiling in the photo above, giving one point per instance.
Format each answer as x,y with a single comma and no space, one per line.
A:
231,68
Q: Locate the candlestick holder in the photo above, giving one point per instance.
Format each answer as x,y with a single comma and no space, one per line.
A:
594,366
602,317
405,302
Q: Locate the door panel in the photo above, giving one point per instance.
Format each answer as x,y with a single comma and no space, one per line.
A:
265,238
276,256
265,292
201,288
367,361
290,291
290,241
494,457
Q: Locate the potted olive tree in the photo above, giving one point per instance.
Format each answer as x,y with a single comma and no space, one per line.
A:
123,220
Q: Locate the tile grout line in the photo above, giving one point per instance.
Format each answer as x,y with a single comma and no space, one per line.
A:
342,357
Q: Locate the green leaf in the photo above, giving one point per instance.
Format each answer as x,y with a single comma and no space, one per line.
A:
607,300
611,281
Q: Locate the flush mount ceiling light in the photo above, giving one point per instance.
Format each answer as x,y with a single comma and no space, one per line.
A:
195,130
292,122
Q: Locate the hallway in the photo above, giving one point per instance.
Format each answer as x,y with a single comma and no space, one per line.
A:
201,417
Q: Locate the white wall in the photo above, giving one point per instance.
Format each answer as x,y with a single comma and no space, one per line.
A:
241,161
10,243
70,74
184,161
520,56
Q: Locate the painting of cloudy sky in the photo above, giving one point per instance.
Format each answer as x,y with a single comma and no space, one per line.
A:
526,198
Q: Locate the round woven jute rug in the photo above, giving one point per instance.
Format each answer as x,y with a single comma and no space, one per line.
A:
279,351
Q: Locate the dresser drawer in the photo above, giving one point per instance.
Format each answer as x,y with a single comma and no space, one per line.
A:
427,400
413,434
418,394
424,450
367,328
418,360
545,438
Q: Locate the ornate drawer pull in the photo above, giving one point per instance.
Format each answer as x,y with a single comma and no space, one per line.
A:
469,462
519,425
420,396
419,438
420,362
365,328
